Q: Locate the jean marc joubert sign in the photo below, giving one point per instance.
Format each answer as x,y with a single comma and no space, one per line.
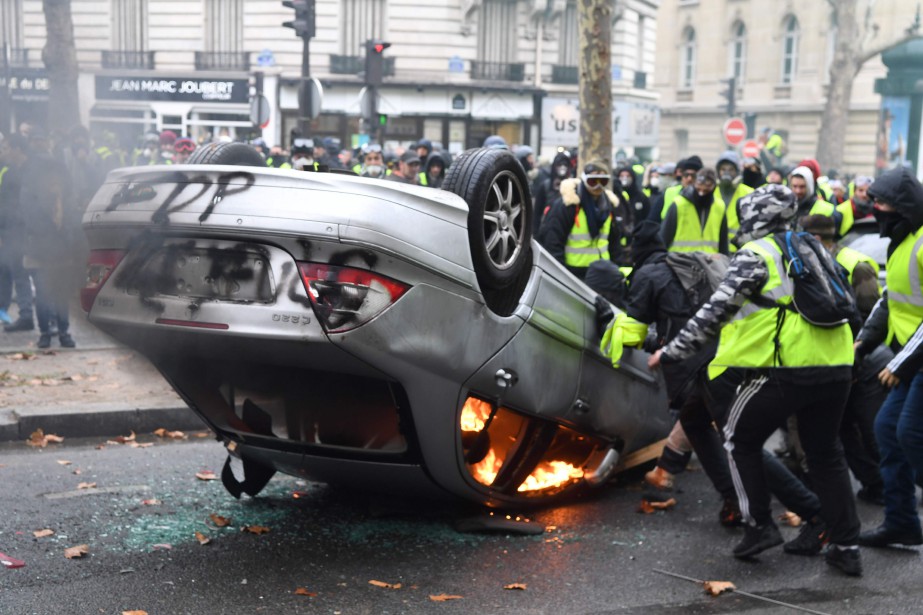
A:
176,89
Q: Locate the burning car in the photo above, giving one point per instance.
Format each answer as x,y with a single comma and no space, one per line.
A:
364,332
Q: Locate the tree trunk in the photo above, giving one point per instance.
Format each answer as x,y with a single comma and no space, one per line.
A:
594,22
60,58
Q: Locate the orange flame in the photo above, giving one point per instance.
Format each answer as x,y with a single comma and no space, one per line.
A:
551,474
474,414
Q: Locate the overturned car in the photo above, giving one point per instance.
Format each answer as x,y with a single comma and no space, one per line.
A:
368,333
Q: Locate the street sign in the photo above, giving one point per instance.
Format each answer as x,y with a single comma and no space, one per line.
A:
259,111
734,131
750,149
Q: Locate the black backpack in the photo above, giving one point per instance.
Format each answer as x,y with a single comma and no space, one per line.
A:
700,273
822,292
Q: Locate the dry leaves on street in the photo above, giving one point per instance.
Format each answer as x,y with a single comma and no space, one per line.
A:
303,591
647,507
444,597
206,475
520,586
64,462
140,444
202,538
219,521
43,533
86,486
76,552
201,434
790,518
134,612
255,529
170,435
152,502
122,439
40,439
716,588
22,356
386,585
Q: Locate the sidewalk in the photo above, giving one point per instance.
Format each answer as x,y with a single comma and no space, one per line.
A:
98,389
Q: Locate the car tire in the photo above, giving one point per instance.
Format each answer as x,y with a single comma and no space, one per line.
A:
238,154
495,187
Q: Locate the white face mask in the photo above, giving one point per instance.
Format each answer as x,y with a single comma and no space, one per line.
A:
656,182
701,192
625,181
374,170
301,163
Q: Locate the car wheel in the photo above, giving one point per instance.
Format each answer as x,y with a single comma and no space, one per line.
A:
496,188
239,154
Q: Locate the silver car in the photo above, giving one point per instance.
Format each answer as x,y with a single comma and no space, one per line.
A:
365,332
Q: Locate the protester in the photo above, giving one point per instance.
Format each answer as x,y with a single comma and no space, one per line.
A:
407,170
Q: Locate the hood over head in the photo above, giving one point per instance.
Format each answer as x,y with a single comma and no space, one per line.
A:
729,156
807,175
900,188
436,159
768,209
645,242
427,144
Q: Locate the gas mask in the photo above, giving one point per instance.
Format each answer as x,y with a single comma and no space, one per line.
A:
302,163
374,170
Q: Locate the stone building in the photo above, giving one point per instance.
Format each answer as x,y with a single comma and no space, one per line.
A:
456,72
780,52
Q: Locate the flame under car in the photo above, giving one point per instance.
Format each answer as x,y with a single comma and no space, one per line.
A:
367,333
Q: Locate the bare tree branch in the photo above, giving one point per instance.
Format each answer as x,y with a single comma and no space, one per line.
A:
868,54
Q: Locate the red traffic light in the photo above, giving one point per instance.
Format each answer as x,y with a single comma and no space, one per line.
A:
377,46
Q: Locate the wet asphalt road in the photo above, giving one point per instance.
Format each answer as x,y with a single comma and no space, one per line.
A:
597,554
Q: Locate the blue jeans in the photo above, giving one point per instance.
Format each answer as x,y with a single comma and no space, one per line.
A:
899,431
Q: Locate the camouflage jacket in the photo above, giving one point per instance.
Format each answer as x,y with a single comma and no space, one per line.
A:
746,275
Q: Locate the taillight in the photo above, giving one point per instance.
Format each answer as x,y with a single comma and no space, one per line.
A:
100,264
345,298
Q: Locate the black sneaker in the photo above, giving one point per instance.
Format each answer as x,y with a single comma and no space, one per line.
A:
810,540
44,341
757,538
21,324
847,560
67,341
883,536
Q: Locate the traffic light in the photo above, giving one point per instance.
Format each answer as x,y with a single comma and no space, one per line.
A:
382,120
730,95
303,24
374,61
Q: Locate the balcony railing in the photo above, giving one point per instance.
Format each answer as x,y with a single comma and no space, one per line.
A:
222,60
497,71
640,80
128,59
18,57
565,74
353,65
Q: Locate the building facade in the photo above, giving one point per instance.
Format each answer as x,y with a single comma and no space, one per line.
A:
780,53
456,72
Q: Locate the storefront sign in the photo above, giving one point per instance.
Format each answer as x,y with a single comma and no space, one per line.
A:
27,84
634,124
177,89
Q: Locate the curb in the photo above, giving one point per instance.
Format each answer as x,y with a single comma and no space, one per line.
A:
97,420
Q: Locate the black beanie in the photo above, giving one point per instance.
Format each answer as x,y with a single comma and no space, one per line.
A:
693,163
646,241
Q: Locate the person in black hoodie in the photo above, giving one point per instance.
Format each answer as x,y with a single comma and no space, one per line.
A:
637,203
550,190
898,198
434,172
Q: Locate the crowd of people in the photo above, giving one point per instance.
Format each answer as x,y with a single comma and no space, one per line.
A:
701,262
708,265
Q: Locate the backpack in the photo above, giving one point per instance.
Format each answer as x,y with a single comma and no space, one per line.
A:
700,273
822,292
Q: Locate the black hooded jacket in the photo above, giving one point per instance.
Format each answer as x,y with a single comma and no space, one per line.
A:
638,203
431,160
549,190
900,189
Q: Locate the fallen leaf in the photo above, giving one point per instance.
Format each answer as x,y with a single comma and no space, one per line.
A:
201,434
255,529
663,505
515,586
202,538
10,562
76,552
716,588
645,507
444,597
303,591
175,435
43,533
124,439
383,584
206,475
140,444
219,521
40,439
152,502
86,486
134,612
77,471
22,356
790,518
161,546
64,462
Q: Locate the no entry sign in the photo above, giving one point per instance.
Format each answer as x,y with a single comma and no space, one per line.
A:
751,149
735,131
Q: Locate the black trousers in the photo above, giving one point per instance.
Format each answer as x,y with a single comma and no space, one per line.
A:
858,430
762,404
